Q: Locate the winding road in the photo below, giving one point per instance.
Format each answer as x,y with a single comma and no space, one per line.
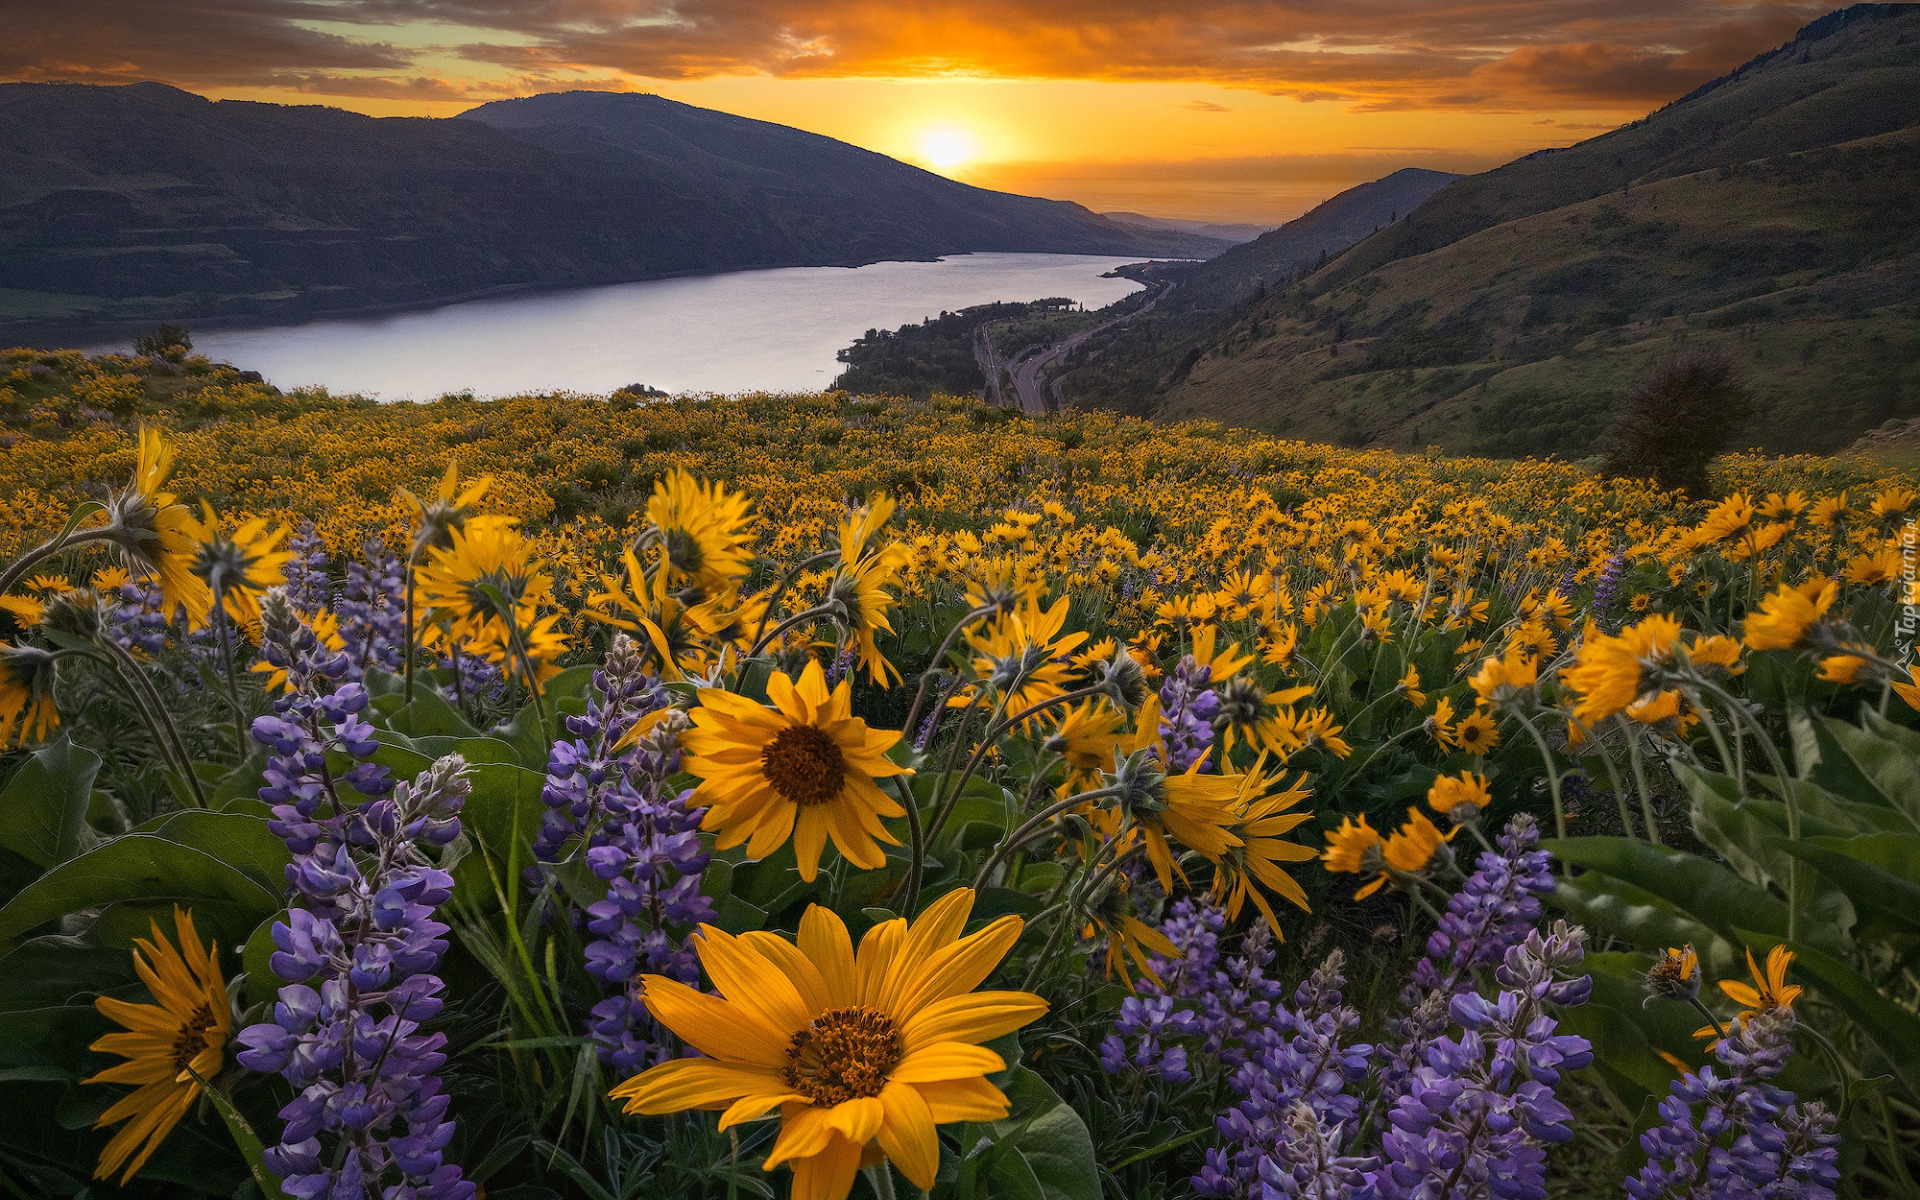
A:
1028,366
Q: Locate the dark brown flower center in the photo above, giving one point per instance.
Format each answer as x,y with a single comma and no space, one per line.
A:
844,1054
192,1038
804,765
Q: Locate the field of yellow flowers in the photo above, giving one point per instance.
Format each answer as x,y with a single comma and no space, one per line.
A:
408,799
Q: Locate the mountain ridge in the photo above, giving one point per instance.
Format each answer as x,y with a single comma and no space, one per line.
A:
1769,217
124,205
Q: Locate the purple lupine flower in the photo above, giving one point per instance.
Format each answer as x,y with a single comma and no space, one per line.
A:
1151,1022
1187,709
306,572
360,942
373,610
1301,1071
639,837
1733,1133
368,1115
1607,589
1474,1118
135,616
1493,911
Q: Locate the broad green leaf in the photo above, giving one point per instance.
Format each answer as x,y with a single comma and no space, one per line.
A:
1888,757
429,714
133,868
1694,885
1044,1146
240,840
43,808
1878,871
1643,919
256,959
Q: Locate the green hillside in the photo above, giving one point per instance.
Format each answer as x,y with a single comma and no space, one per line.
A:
1771,214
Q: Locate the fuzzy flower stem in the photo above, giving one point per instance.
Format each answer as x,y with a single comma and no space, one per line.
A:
1553,773
242,742
780,590
1032,825
154,711
800,618
939,656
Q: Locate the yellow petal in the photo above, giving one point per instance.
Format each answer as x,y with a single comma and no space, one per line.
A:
804,1132
694,1083
959,968
908,1136
713,1026
875,959
824,940
793,962
827,1175
974,1017
750,982
752,1108
946,1060
972,1099
858,1119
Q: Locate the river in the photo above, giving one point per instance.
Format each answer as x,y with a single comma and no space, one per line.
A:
773,330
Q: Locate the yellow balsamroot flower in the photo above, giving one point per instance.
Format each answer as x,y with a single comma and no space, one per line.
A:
1789,614
1412,847
1894,501
1768,992
704,531
802,769
856,1052
1263,816
1504,679
27,711
1085,737
1459,797
447,510
1851,668
158,535
1128,938
487,586
1476,733
240,567
1356,849
1197,811
165,1044
1675,975
1024,655
1609,671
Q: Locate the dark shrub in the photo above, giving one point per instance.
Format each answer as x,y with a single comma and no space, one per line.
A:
164,341
1681,414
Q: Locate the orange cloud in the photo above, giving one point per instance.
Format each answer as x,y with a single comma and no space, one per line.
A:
1378,55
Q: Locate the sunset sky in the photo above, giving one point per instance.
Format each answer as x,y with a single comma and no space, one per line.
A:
1242,111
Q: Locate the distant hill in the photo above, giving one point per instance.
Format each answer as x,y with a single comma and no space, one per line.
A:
123,205
1221,230
1132,368
1773,214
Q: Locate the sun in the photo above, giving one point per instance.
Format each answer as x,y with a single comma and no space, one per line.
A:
945,147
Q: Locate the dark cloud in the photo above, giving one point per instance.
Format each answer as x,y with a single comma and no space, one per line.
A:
1510,55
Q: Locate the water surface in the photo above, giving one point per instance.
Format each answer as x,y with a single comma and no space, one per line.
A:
773,330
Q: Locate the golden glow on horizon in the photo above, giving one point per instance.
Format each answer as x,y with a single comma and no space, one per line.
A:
944,147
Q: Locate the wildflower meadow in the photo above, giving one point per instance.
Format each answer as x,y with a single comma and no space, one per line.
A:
811,797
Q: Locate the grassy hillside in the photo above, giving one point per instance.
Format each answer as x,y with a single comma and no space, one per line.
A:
1770,215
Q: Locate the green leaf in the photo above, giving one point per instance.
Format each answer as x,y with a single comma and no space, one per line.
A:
1879,872
1887,756
1042,1150
43,809
257,960
245,1139
1643,919
529,739
429,714
1696,886
136,868
240,840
